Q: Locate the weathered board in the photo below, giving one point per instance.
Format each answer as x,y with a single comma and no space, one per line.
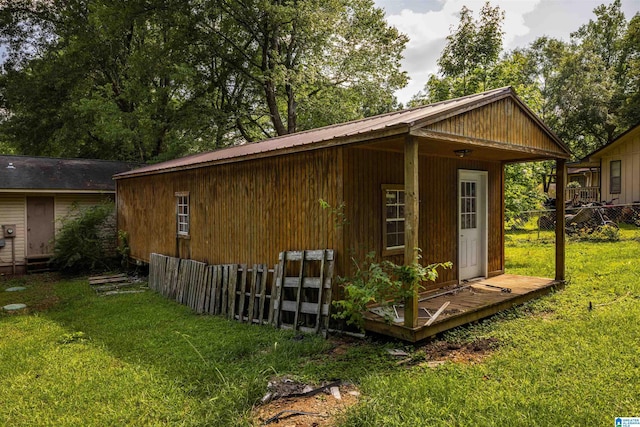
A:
303,290
234,291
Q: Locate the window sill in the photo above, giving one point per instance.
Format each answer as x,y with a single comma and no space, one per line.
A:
183,236
393,251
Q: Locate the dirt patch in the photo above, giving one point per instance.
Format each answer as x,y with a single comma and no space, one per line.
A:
438,352
316,410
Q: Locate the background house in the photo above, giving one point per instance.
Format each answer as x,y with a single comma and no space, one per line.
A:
619,165
35,193
429,177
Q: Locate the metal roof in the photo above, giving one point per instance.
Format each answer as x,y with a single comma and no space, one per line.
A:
397,122
45,173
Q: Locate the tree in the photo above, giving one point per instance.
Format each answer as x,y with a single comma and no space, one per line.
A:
155,79
106,79
468,58
311,63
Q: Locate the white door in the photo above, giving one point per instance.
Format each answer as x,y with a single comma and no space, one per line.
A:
472,224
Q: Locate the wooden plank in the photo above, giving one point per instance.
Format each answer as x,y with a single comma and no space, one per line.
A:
109,280
411,221
224,305
299,293
307,282
217,292
107,276
437,313
274,294
327,289
172,282
183,274
279,287
252,294
240,293
203,296
305,308
320,294
233,284
111,287
263,293
198,297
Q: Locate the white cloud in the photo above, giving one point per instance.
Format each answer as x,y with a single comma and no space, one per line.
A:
429,22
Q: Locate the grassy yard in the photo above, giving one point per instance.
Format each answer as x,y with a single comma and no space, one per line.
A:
77,359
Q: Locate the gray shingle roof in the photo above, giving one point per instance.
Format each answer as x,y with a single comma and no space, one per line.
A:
44,173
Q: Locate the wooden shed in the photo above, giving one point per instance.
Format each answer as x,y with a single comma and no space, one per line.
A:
430,177
36,193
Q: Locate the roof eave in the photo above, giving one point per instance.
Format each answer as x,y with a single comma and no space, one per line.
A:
390,131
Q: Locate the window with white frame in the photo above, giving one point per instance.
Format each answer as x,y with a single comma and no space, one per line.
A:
393,218
615,183
182,213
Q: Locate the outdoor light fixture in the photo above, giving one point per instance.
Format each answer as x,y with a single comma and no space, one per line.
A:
462,153
11,166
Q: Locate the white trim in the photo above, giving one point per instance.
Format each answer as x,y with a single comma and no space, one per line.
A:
484,179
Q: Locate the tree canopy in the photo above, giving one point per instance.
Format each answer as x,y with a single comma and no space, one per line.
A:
156,79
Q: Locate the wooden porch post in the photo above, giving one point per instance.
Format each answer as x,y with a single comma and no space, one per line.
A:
560,225
411,217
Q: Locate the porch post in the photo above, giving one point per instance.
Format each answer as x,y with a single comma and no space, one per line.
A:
560,225
411,217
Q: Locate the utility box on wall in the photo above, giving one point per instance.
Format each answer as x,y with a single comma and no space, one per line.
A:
9,231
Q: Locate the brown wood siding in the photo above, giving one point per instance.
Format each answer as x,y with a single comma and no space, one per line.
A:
490,123
367,170
244,212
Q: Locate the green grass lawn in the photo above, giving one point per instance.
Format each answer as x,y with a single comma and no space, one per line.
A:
76,359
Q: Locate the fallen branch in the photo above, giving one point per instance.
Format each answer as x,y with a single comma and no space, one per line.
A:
289,413
614,301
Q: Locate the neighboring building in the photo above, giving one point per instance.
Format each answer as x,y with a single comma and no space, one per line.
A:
247,203
618,165
36,193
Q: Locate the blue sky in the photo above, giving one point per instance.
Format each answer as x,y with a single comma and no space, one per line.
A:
428,22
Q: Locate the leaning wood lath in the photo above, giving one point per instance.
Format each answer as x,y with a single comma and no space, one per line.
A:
303,290
233,291
244,293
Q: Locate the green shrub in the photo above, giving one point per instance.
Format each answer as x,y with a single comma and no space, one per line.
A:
381,283
86,240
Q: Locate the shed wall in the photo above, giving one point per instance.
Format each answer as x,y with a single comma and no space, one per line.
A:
488,123
74,203
367,171
245,212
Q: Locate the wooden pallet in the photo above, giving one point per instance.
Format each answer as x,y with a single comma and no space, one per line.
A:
246,293
110,283
303,290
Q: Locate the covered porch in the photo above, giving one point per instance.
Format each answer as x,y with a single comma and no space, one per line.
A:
497,131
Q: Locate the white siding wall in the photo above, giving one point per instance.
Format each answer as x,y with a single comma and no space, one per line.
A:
13,211
64,204
628,152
